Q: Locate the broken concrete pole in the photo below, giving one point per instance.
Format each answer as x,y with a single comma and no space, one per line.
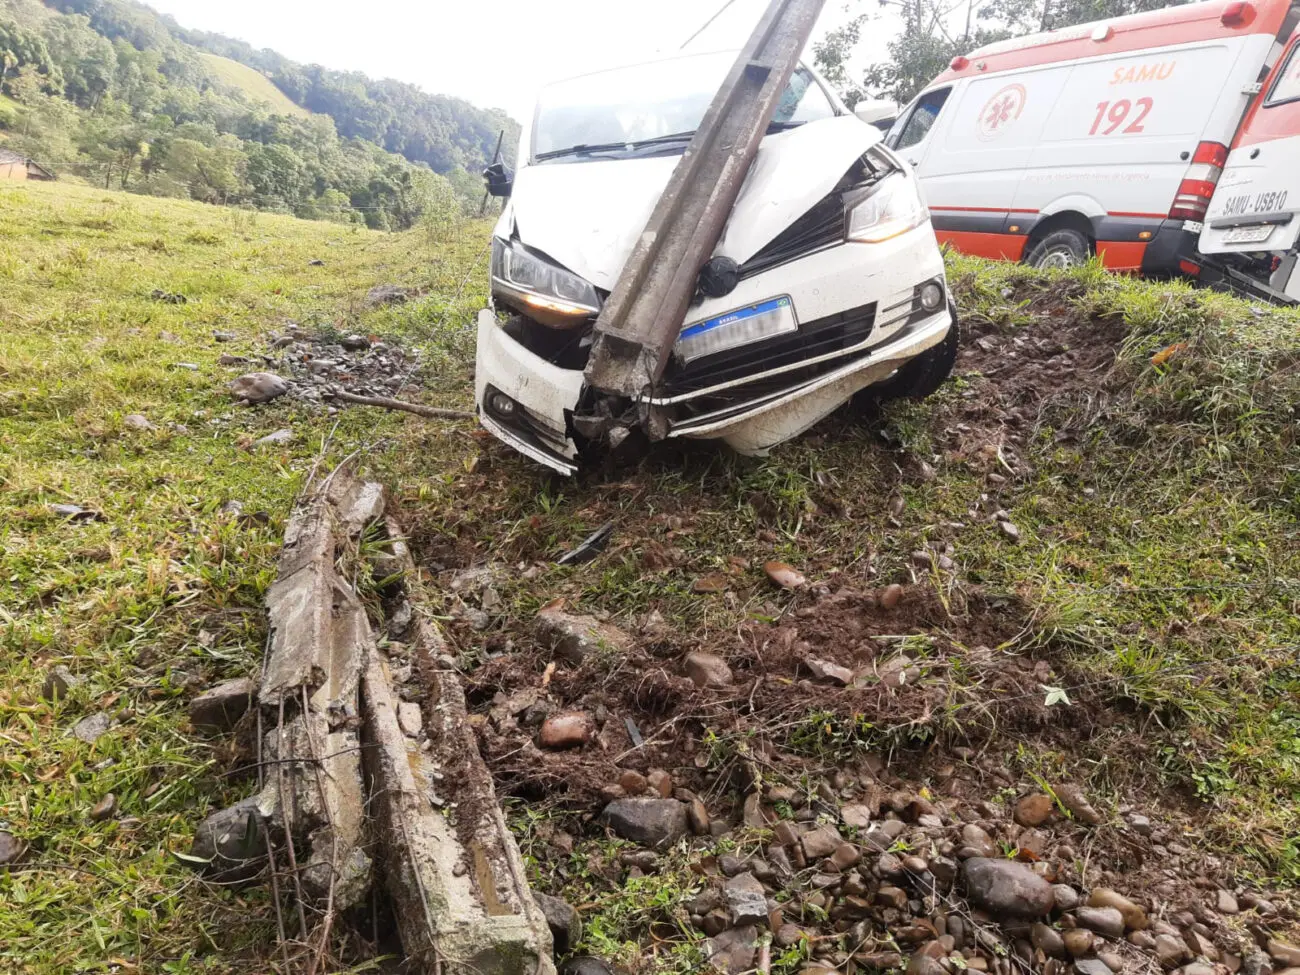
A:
454,873
320,638
457,886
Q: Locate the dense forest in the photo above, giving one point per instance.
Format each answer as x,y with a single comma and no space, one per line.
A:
110,92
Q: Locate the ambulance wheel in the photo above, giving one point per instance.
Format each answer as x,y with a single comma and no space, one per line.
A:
1060,248
923,375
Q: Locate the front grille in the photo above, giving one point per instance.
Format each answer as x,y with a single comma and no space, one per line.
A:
825,336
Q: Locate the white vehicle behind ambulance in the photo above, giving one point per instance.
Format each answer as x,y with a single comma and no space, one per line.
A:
1111,139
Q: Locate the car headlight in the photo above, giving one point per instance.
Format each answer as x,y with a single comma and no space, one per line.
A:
893,208
551,294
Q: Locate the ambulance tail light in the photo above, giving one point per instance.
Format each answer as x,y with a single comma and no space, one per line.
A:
1192,201
1193,198
1212,154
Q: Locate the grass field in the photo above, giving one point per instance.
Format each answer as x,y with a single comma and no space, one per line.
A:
1159,552
255,85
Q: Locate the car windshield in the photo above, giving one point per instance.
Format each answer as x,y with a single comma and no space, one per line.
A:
611,110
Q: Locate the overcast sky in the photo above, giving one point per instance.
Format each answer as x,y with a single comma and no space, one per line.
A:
492,52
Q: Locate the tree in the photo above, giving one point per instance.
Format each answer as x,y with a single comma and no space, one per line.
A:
936,31
20,48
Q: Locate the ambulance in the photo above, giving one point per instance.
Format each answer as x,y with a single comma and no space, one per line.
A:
1165,142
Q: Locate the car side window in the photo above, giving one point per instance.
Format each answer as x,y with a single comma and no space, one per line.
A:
1287,87
921,119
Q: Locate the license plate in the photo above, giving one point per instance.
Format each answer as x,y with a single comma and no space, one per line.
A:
1248,235
740,327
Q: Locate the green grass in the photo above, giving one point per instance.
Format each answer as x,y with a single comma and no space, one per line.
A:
1160,560
164,594
255,85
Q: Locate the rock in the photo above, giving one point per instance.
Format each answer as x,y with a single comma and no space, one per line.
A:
820,842
708,670
734,951
697,814
569,729
218,709
1284,954
730,865
846,855
74,512
1009,530
563,920
1226,902
1073,799
1034,810
1139,824
11,848
1112,959
1048,940
1199,944
1197,968
409,719
574,638
894,897
1257,963
223,337
660,782
258,387
789,935
785,576
977,839
89,729
1078,942
585,965
633,782
279,438
233,360
1142,939
650,822
1091,966
387,294
1007,888
746,899
137,421
1065,896
826,670
232,841
1106,921
354,343
856,815
891,596
1135,918
58,682
105,808
1170,951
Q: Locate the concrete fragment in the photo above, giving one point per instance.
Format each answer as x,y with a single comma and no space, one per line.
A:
574,638
218,709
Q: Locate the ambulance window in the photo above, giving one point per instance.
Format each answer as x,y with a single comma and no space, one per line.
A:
1287,86
921,119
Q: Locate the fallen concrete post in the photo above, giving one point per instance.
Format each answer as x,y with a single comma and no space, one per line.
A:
454,873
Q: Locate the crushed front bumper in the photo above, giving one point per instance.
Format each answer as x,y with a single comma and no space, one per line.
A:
545,395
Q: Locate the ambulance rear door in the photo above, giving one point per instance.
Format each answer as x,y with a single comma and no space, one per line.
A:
1256,207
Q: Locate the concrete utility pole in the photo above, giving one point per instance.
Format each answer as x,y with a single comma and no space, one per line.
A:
636,330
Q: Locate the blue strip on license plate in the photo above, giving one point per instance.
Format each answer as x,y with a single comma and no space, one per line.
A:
733,317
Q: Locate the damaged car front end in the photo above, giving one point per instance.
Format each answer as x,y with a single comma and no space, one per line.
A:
827,279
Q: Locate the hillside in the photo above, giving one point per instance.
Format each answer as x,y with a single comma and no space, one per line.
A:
108,92
255,85
1072,572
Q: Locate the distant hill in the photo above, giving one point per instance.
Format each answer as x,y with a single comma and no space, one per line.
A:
113,93
255,85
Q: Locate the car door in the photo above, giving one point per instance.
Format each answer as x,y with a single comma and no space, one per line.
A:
1256,206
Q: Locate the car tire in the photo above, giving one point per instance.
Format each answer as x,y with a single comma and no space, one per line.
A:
923,375
1060,248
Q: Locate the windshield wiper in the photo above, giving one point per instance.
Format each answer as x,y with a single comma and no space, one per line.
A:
581,150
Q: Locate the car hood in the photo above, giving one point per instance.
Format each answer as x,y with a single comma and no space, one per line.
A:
588,215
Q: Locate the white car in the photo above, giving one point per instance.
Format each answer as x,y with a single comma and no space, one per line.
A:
827,279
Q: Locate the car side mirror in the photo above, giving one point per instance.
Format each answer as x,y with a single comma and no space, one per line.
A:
500,181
